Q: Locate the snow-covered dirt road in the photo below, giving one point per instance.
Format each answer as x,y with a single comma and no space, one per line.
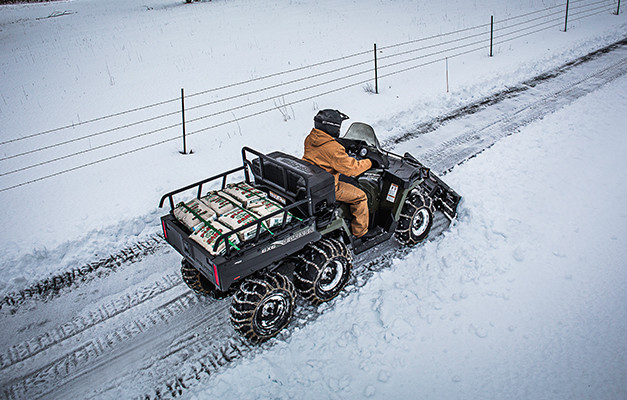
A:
133,329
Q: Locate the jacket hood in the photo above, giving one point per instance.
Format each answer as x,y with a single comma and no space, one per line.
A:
318,138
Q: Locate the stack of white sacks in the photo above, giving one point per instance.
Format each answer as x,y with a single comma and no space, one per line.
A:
222,211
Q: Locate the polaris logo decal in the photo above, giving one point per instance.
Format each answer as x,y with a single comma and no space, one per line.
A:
296,236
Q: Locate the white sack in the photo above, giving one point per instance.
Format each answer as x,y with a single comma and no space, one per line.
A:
190,218
247,195
266,208
220,202
237,218
207,236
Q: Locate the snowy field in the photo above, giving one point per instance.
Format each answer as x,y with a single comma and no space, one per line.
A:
523,297
100,58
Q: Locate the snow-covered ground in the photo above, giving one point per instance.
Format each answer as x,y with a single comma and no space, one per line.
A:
522,297
99,58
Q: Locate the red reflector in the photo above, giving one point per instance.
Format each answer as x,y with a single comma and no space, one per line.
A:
215,273
165,233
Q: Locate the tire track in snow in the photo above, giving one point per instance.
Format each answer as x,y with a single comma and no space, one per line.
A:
509,93
49,288
456,151
43,342
190,350
39,382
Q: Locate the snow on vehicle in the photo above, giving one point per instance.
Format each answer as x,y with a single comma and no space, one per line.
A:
280,231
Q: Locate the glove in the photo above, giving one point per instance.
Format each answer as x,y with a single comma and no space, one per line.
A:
378,160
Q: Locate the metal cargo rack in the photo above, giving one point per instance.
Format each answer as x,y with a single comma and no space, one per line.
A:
260,251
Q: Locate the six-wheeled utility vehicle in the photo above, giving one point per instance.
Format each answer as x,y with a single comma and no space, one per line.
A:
302,242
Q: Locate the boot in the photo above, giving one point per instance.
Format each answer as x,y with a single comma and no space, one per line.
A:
372,233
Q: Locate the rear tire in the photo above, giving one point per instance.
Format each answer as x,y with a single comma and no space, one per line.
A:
196,281
416,219
323,270
262,307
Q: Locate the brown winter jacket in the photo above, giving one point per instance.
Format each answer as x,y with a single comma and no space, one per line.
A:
322,150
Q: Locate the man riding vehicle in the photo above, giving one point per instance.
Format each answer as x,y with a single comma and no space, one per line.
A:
323,150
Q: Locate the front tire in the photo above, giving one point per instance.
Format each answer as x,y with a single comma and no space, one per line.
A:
262,307
323,270
416,219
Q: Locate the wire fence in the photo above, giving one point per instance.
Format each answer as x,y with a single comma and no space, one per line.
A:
161,122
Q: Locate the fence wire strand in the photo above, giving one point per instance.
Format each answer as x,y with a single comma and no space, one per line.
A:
532,13
74,125
578,10
433,37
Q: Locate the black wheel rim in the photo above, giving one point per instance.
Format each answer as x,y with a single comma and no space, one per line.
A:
272,313
331,275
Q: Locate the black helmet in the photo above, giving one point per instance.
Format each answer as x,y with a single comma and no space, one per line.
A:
329,121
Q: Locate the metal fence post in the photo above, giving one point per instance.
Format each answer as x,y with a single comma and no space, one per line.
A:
566,20
491,33
183,116
376,78
618,8
446,74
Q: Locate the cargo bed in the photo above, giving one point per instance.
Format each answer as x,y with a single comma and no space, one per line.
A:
296,186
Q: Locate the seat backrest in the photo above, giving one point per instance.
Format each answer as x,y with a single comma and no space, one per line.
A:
292,178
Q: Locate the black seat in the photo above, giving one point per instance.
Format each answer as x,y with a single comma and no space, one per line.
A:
290,177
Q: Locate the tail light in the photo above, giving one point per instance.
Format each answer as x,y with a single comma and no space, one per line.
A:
215,274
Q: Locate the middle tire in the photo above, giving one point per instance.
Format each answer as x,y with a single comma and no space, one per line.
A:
323,270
